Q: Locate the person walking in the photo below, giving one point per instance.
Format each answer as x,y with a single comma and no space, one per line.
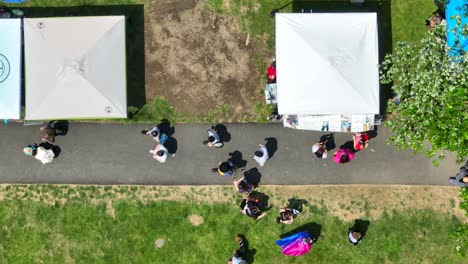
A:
261,155
342,156
320,150
360,141
214,141
243,186
160,153
227,169
461,179
156,134
40,153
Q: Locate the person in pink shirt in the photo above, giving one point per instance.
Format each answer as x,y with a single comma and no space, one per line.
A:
343,155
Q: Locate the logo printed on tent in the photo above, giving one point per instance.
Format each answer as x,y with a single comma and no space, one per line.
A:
4,68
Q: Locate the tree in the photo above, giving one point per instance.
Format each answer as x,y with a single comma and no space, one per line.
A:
433,90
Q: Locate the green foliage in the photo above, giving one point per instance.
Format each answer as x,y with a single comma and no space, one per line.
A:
262,111
461,234
433,89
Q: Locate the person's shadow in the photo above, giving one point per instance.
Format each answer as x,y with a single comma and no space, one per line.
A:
312,228
60,127
271,146
166,128
360,226
171,145
330,141
222,132
297,204
349,145
372,133
56,149
253,176
236,158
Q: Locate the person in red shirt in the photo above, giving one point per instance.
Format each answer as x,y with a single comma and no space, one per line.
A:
361,141
271,72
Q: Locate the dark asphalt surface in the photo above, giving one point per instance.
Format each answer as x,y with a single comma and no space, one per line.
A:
118,154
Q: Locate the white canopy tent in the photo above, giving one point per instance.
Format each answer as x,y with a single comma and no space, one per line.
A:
75,67
10,68
327,63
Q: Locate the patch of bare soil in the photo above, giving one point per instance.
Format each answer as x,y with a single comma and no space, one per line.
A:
195,220
198,60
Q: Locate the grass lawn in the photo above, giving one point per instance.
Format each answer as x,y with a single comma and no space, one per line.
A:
60,224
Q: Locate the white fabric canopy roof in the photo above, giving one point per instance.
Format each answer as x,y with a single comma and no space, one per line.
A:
327,63
10,68
75,67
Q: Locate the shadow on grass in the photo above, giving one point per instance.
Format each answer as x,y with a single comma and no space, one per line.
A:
384,23
312,228
297,204
134,37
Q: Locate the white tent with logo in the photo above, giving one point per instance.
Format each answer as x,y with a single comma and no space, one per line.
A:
327,63
75,68
10,68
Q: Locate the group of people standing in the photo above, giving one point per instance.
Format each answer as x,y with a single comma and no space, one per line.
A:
346,153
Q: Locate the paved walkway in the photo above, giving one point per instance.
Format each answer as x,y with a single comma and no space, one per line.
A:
118,154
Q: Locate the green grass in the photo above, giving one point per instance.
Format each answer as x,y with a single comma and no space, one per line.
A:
33,232
408,18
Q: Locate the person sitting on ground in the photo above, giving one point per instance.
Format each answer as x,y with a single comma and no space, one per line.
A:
461,179
320,150
227,169
360,141
160,153
251,207
156,134
287,216
242,186
214,141
261,155
40,153
343,155
354,236
236,258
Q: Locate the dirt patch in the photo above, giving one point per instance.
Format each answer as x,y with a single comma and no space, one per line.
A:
196,220
198,60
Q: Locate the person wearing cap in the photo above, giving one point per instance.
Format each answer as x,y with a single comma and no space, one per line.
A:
156,134
40,153
261,155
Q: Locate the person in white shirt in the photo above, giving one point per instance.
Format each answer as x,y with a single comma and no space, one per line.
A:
40,153
261,155
319,150
160,153
214,141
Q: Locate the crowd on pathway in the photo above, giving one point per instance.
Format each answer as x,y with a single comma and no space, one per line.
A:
254,205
